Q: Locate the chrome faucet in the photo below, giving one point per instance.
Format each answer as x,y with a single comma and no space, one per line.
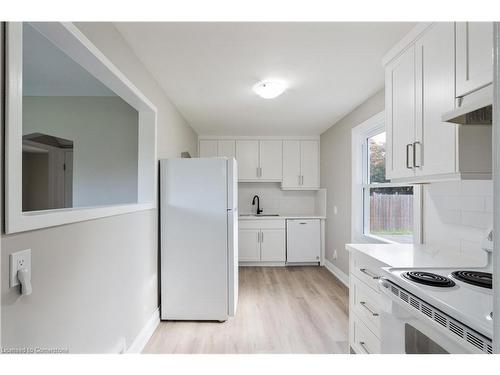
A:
259,210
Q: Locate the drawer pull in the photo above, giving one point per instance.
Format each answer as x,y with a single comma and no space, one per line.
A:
363,346
368,273
363,303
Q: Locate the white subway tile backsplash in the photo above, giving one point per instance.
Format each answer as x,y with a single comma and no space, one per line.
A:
471,203
273,200
489,203
474,219
476,187
457,213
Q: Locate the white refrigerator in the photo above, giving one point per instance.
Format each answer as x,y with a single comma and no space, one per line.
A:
198,238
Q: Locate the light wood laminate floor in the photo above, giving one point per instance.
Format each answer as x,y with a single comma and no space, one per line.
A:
280,310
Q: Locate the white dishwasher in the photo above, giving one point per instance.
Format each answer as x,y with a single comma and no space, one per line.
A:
303,241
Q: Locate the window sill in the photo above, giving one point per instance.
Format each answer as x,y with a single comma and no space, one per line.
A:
49,218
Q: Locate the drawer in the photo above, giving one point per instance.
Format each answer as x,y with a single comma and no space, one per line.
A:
262,224
363,341
366,269
366,304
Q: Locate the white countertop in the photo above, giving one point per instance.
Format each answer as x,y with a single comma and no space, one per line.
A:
281,217
407,255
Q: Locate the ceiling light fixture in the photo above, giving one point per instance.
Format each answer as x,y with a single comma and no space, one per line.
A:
269,89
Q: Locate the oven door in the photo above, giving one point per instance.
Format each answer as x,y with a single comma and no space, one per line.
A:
402,332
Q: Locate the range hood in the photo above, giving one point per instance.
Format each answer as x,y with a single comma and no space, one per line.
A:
477,111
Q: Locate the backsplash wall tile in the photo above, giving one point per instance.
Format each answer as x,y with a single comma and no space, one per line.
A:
273,200
457,215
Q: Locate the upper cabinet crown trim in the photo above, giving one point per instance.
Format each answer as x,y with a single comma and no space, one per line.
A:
259,137
405,42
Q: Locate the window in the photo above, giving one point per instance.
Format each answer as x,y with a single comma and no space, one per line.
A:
382,211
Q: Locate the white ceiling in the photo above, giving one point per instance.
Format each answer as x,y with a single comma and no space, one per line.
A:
208,70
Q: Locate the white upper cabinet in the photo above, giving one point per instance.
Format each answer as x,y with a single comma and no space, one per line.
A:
207,149
300,165
226,148
400,114
210,148
293,162
271,160
474,56
247,156
420,87
309,164
435,140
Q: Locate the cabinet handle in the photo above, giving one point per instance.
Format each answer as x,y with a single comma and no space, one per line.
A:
302,223
415,154
261,236
407,156
363,346
363,303
302,179
368,273
258,237
298,179
260,171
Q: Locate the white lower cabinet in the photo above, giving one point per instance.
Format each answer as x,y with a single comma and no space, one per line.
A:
363,340
249,245
272,245
366,304
262,241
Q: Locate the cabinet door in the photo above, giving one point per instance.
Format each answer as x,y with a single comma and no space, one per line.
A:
207,149
248,245
474,56
247,155
309,164
291,164
272,245
436,140
271,160
303,241
226,148
400,115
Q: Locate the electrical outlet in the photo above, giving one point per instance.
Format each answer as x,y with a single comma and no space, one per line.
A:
335,254
19,260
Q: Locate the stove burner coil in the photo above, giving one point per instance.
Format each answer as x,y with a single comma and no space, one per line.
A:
428,278
481,279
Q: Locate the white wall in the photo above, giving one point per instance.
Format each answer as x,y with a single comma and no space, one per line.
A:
95,283
104,131
274,200
336,178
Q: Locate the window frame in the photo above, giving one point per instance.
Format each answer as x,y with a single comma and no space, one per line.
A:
361,185
73,42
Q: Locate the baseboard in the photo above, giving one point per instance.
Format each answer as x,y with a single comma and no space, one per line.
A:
146,332
337,272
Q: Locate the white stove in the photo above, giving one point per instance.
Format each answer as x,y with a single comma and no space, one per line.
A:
451,309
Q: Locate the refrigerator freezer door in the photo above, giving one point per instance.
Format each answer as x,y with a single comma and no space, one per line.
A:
232,184
232,222
232,232
194,239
